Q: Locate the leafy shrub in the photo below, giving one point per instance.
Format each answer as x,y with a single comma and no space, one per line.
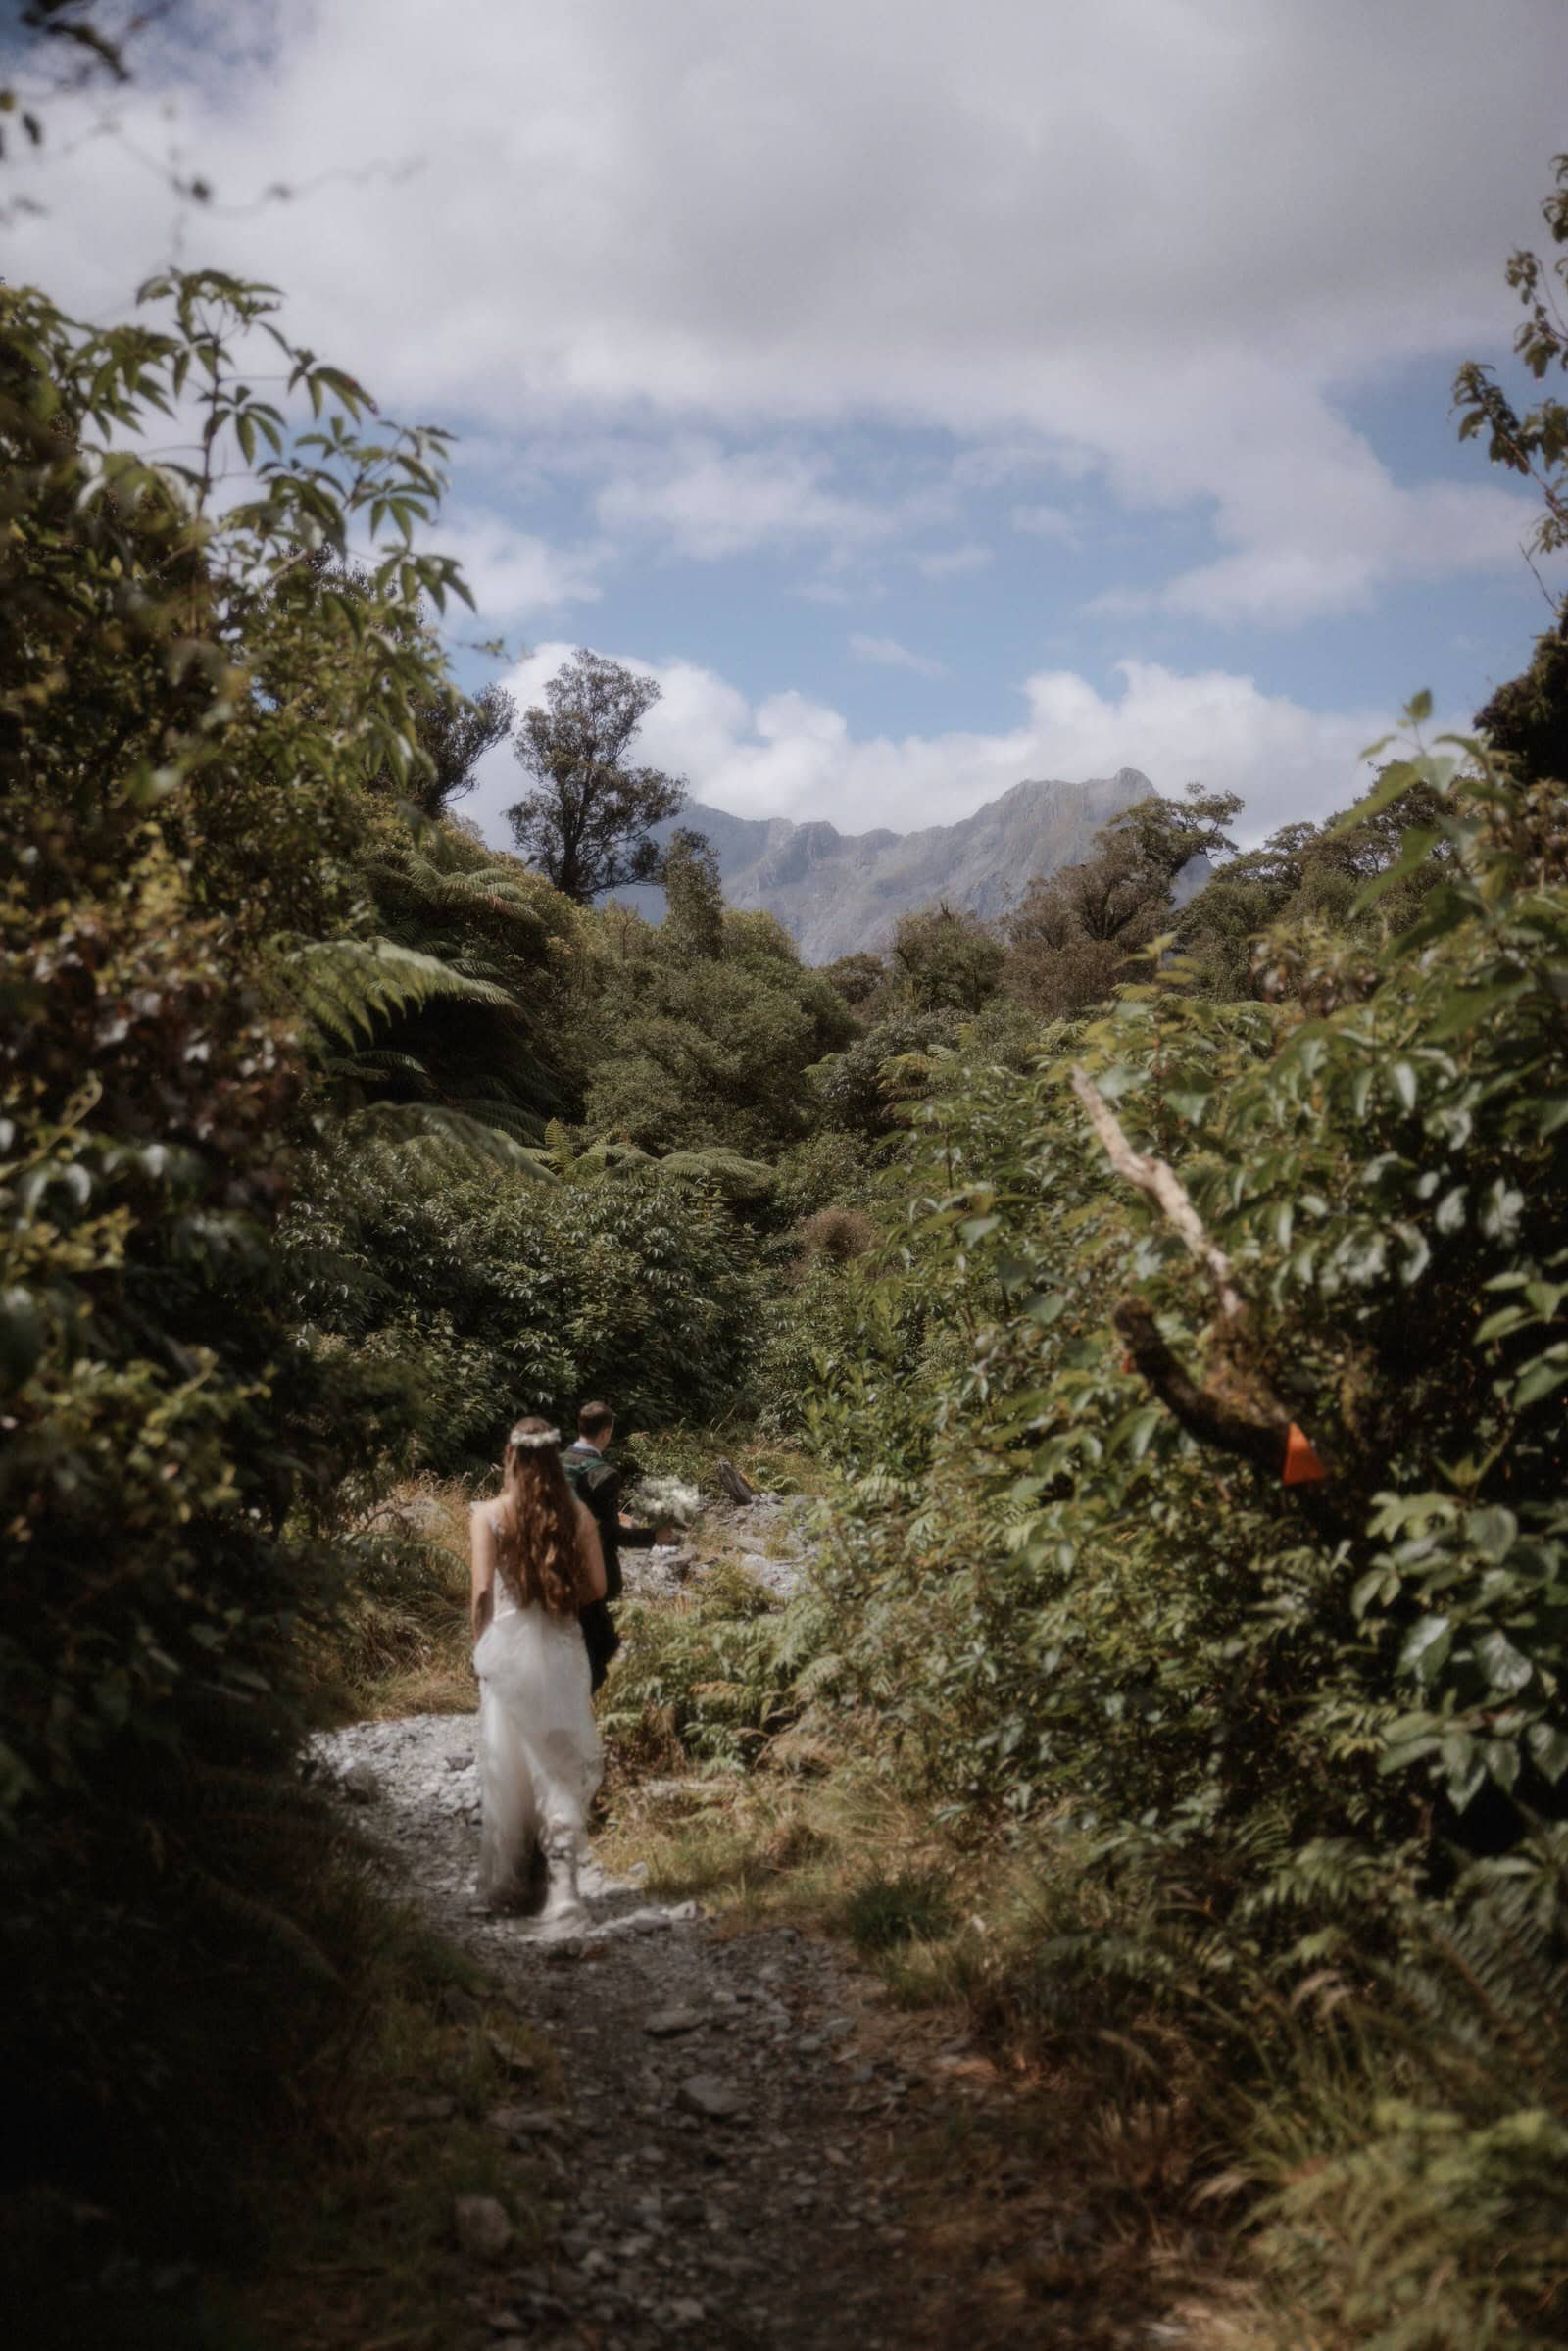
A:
188,720
1269,1715
858,1090
710,1682
502,1295
830,1169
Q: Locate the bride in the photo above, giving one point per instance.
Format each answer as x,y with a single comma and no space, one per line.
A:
537,1560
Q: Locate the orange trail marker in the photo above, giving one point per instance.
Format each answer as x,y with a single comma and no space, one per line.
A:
1302,1464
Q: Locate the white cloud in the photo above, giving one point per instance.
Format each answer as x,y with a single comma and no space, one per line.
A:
711,502
952,563
510,573
1160,239
791,755
886,652
1329,538
1042,521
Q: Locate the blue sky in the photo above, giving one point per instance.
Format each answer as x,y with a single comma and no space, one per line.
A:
929,395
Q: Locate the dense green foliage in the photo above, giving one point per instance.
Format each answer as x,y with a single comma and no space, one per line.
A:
1299,1729
325,1149
493,1295
1387,1180
185,713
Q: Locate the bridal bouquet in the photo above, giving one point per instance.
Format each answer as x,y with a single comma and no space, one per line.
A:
666,1502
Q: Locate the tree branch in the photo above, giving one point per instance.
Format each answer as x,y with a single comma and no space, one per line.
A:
1235,1407
1207,1413
1160,1184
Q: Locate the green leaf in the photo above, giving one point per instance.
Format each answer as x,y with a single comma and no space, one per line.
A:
1426,1649
1548,1748
1506,1669
1377,1583
1542,1378
1419,843
1492,1532
1465,1008
1392,785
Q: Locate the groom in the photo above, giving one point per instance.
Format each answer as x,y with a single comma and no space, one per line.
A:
597,1484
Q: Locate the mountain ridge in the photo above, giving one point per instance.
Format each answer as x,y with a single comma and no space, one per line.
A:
836,892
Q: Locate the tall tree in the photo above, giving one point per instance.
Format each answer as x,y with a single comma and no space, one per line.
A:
694,896
1077,933
944,962
588,823
456,733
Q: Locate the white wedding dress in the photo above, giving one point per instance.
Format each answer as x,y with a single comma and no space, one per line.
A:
540,1756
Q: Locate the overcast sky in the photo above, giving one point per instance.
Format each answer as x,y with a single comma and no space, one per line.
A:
931,393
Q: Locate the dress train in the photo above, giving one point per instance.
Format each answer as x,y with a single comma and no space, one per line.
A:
539,1756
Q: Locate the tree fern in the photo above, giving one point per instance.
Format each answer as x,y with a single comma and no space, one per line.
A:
346,987
440,1134
507,1118
376,1066
737,1177
498,891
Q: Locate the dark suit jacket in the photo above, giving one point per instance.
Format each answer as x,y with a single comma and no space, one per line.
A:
598,1482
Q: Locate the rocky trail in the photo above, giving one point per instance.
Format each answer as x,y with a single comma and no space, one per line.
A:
748,2148
721,2130
721,2142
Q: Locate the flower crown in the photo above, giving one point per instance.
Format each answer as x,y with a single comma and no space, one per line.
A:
533,1441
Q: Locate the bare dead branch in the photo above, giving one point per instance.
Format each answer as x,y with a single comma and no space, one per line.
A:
1161,1184
1235,1407
1257,1431
1207,1413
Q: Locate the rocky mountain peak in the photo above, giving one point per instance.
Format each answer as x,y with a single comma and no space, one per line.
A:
836,892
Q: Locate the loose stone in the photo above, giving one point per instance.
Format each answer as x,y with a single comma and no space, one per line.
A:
712,2100
483,2230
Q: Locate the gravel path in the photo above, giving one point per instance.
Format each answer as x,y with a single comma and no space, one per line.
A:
725,2154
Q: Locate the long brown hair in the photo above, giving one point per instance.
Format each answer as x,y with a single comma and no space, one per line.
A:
537,1546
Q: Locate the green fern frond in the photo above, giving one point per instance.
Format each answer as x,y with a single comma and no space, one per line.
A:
605,1155
491,889
738,1178
1487,1995
345,987
446,1134
375,1065
508,1118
